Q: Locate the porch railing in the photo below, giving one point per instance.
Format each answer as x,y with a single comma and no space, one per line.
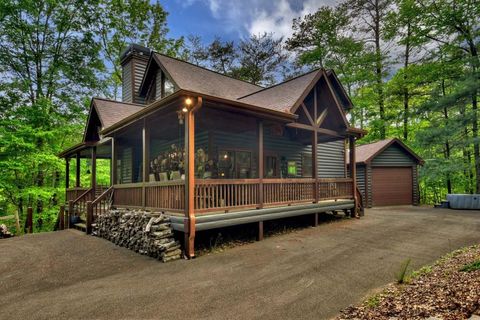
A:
74,193
225,194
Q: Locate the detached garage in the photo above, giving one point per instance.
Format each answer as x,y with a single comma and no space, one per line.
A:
387,173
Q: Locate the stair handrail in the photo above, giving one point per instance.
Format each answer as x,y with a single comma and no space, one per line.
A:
83,195
103,195
360,200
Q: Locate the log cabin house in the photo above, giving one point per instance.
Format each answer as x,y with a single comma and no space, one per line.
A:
212,151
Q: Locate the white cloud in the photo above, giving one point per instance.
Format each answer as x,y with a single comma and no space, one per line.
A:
246,17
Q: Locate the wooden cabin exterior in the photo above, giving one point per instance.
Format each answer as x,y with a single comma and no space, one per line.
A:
212,151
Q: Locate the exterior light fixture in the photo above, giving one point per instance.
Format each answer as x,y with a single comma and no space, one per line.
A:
184,109
188,101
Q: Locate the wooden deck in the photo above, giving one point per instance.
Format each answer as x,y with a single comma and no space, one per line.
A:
223,195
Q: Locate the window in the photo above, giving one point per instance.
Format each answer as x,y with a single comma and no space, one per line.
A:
292,168
307,165
234,164
226,164
244,164
271,167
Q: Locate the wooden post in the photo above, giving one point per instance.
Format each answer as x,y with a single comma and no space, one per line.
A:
29,221
93,182
67,173
190,180
61,218
315,147
315,219
353,173
260,231
145,159
88,227
315,164
70,213
77,171
113,166
260,164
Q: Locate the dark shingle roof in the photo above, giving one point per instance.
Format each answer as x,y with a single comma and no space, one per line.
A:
283,96
111,112
190,77
365,153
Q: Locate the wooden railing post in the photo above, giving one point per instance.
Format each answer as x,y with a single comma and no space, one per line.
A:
315,164
61,218
70,213
29,221
89,221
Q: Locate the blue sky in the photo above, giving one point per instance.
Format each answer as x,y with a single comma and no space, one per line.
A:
235,19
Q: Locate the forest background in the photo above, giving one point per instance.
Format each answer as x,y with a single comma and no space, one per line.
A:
410,67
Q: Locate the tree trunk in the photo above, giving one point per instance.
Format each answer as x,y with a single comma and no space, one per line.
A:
378,72
406,94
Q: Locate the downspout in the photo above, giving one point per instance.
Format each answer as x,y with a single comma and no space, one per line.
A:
189,226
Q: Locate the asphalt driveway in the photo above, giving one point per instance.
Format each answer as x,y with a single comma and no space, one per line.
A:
308,274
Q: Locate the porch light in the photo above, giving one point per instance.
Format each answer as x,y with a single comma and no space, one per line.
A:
184,110
188,101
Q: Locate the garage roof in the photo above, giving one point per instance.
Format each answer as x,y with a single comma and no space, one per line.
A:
367,152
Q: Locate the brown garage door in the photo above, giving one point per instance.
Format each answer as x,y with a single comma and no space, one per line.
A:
391,186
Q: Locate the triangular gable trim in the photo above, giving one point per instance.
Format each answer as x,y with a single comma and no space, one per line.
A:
402,145
321,73
305,92
331,73
153,57
339,106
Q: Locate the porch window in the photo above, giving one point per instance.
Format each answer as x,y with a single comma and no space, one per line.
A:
307,165
234,164
271,167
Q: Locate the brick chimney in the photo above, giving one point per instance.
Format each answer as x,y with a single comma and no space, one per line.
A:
134,62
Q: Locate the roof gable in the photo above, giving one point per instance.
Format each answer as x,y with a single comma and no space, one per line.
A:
189,77
285,95
367,152
105,113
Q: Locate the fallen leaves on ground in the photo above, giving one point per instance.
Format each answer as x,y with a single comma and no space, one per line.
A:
442,291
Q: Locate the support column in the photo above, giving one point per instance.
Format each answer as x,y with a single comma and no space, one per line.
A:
67,173
353,172
315,164
190,179
93,182
260,164
145,159
77,171
113,166
315,149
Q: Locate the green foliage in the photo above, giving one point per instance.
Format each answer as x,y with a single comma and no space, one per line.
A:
402,275
373,301
474,266
258,59
55,55
412,71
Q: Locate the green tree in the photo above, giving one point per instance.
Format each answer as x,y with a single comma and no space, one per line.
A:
222,56
122,22
261,58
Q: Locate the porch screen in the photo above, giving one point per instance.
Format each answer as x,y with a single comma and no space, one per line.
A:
234,164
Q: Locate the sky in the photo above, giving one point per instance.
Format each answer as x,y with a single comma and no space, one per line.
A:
236,19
